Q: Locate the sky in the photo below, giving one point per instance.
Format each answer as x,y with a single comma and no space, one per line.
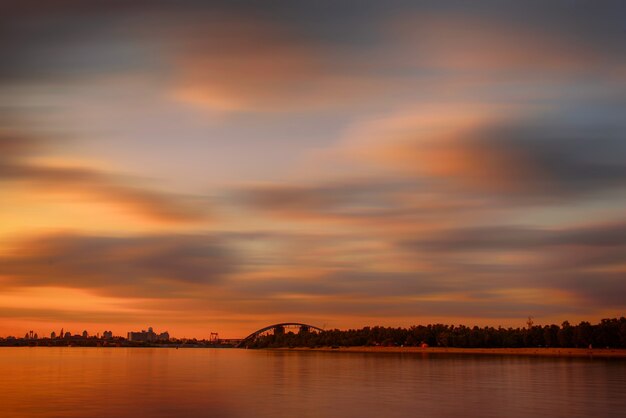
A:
215,166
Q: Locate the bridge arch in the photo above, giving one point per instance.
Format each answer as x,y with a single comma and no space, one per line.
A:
275,327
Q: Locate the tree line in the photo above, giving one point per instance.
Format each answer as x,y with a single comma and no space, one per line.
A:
607,333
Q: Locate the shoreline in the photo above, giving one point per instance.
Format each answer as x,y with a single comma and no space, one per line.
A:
535,352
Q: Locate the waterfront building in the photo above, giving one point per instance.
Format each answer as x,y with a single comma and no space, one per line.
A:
147,336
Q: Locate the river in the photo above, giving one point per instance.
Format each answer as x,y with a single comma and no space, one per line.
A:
152,382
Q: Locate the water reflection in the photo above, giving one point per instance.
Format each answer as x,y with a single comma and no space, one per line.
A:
87,382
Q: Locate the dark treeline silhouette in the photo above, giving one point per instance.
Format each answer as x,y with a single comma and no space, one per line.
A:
608,333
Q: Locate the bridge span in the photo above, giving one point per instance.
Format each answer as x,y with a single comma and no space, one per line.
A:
277,329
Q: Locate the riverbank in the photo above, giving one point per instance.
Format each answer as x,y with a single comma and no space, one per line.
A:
540,351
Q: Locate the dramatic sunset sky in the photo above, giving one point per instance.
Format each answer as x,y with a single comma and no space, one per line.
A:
203,167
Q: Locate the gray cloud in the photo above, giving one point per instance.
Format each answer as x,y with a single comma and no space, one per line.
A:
148,265
339,198
556,159
66,40
605,289
519,238
367,201
586,261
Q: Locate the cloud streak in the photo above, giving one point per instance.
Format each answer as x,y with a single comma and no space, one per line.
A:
89,183
523,238
501,152
128,266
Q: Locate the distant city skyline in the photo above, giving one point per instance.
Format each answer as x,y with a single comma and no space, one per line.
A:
220,166
147,335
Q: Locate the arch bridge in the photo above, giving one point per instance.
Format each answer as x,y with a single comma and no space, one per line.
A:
277,329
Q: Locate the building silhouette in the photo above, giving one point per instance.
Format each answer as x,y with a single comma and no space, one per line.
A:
147,336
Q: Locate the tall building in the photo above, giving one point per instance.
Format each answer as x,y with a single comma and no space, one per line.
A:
147,336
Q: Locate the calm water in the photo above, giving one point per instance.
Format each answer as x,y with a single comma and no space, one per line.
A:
98,382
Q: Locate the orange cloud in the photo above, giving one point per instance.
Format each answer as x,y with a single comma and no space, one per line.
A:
85,183
504,48
242,63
